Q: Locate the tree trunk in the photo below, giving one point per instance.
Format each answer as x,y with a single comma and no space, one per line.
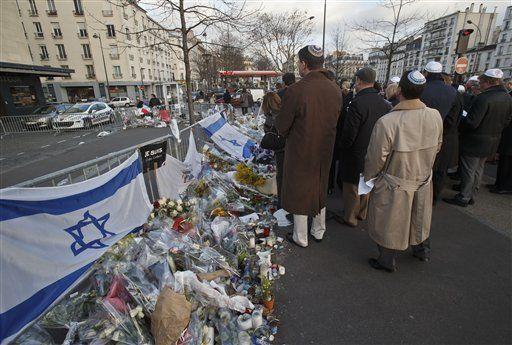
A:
186,60
388,69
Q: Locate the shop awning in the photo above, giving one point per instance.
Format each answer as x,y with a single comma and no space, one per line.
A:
249,74
17,68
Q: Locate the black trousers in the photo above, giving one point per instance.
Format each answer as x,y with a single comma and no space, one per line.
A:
244,110
387,257
504,173
279,157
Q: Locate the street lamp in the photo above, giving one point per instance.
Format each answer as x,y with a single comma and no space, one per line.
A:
323,32
478,30
104,65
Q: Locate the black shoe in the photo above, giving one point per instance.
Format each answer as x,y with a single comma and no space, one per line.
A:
471,201
316,239
375,264
421,258
456,201
456,187
289,238
499,191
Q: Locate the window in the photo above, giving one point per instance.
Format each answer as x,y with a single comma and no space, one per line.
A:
128,36
79,10
61,51
497,63
86,48
23,96
39,29
114,52
500,50
111,31
33,9
133,72
82,29
504,38
57,32
52,10
65,66
44,52
89,71
117,72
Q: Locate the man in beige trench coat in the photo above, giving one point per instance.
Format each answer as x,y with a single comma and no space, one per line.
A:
400,156
307,119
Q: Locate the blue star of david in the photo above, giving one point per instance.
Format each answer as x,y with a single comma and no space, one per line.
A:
233,141
75,231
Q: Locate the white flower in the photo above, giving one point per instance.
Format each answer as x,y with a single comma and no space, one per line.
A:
171,203
174,213
193,201
179,208
162,201
152,216
179,201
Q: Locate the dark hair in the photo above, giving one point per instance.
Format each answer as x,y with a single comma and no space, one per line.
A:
434,76
408,89
490,80
377,86
288,78
312,62
154,96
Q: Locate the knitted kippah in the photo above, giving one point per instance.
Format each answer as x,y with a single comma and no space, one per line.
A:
416,77
315,51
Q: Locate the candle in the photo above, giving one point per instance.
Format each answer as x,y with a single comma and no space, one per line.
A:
282,270
252,242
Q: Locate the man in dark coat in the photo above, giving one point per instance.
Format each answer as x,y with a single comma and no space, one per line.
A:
441,96
307,119
154,101
363,111
481,129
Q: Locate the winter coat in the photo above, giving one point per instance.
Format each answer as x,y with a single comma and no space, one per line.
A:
401,153
363,111
307,119
437,95
480,130
270,107
153,102
245,100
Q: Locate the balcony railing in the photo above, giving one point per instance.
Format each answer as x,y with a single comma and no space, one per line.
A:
87,56
107,13
39,34
33,13
44,57
134,76
90,75
117,76
114,56
78,13
109,35
51,13
62,57
57,34
82,34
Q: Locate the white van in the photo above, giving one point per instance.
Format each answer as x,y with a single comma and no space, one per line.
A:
118,102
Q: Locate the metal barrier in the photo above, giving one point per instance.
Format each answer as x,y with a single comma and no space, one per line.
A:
101,165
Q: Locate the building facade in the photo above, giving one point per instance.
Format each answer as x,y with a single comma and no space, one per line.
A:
344,64
440,36
503,54
115,49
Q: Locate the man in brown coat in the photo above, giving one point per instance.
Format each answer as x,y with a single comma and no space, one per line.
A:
400,156
308,117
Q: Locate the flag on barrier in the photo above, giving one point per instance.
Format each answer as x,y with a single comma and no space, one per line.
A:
51,236
227,137
171,178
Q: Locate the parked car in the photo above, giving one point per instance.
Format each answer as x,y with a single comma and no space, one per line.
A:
118,102
42,117
84,115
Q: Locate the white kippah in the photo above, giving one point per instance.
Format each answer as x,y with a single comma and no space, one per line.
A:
494,73
434,67
474,78
416,77
315,50
395,79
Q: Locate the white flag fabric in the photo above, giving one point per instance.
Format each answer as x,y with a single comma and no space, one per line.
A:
171,178
50,237
193,158
227,137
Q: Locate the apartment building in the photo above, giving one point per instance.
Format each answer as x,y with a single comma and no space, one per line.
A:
412,56
439,41
503,54
115,49
344,64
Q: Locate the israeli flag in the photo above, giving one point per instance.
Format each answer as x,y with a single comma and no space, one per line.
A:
51,236
227,137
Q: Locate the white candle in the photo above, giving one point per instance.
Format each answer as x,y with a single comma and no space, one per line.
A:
282,270
257,319
244,322
252,242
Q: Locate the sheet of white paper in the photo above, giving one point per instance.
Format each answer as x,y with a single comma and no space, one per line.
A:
365,187
464,113
280,215
249,218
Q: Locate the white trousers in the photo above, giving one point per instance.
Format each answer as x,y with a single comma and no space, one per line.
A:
300,228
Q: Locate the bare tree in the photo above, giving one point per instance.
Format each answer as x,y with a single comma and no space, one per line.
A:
181,25
279,36
262,62
339,44
391,33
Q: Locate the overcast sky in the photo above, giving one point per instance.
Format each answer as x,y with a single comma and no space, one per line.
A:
348,11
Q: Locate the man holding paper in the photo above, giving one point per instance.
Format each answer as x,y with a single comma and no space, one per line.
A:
400,156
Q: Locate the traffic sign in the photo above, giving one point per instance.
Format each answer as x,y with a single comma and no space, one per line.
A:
461,65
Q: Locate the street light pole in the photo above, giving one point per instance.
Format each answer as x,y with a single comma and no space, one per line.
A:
104,65
323,32
475,66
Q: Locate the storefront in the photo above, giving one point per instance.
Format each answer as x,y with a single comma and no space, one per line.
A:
80,93
20,87
117,91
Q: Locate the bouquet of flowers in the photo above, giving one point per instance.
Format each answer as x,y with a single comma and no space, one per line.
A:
246,175
178,210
